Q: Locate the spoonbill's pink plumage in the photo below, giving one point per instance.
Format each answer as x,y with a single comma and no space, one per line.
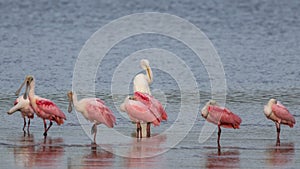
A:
44,108
94,110
153,104
23,105
279,114
140,113
220,116
223,117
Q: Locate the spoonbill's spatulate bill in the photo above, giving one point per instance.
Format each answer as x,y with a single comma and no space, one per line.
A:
278,113
220,116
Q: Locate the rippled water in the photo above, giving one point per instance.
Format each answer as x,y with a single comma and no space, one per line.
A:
258,44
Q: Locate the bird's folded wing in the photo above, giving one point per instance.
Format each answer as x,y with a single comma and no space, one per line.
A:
141,112
49,107
282,112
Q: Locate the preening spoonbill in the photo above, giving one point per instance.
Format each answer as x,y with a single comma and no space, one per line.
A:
141,83
23,105
94,110
279,114
220,116
43,108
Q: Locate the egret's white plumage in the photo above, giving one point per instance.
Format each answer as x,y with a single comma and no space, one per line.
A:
141,83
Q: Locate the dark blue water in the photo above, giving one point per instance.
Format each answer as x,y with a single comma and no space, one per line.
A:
257,42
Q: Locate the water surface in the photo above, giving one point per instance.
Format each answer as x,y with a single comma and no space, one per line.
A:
257,41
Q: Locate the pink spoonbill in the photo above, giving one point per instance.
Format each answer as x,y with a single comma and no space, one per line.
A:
141,83
143,108
153,105
220,116
278,113
23,105
44,108
94,110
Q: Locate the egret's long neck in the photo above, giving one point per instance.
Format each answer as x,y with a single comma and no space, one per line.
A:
149,74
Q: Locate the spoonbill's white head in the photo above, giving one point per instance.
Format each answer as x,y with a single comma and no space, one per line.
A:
272,101
204,111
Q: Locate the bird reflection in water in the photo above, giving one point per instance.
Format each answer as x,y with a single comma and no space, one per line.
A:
23,153
46,153
97,159
280,155
225,159
144,153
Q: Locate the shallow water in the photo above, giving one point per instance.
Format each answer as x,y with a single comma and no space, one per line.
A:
258,44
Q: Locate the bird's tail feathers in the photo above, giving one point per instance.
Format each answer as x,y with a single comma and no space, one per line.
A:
111,120
58,120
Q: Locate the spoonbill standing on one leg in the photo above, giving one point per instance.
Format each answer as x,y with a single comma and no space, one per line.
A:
141,83
279,114
23,105
43,108
94,110
220,116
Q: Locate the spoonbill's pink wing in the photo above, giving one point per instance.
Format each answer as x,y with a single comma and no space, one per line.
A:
282,112
48,107
143,97
98,111
153,104
224,117
214,115
163,113
139,111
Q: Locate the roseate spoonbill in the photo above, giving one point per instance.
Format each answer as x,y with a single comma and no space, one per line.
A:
92,109
220,116
279,114
141,83
153,105
139,113
23,105
43,108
